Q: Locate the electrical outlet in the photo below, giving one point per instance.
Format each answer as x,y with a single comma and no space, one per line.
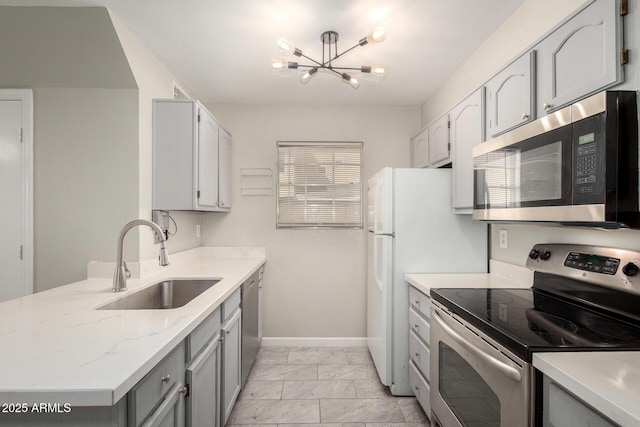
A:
197,230
504,239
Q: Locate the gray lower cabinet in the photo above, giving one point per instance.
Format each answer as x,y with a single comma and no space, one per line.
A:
581,57
203,377
154,400
231,355
419,347
170,413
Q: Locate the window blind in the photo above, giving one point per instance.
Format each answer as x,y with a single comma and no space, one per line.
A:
319,185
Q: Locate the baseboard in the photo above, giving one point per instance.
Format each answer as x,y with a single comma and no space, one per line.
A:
314,342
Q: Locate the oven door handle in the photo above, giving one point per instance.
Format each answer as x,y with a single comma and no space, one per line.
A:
507,370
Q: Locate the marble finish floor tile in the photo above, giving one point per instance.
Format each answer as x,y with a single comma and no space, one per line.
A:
317,358
320,387
371,388
346,372
262,389
361,411
284,372
328,389
275,411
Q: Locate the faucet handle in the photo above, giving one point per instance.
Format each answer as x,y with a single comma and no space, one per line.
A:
127,272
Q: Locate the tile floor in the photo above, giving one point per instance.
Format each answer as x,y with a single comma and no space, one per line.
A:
324,386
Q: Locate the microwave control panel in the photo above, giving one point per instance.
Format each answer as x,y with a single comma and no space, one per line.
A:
589,144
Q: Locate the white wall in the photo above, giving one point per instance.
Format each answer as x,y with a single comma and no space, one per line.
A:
315,280
154,80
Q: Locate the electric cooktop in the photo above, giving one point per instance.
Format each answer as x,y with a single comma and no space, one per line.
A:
573,304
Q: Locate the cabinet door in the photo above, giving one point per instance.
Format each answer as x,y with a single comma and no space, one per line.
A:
224,169
207,161
419,149
466,132
439,148
203,402
581,57
231,364
509,96
170,412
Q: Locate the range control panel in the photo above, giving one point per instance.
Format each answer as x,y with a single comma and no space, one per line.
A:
612,267
593,263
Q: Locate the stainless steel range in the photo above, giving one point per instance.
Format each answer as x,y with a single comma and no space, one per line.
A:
584,298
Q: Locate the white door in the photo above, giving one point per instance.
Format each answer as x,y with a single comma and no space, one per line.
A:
379,300
16,265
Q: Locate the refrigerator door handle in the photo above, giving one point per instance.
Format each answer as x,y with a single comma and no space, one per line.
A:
377,263
378,205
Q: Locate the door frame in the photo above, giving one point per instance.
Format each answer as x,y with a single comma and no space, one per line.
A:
26,97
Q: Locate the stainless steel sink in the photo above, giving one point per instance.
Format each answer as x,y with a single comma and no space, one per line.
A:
163,295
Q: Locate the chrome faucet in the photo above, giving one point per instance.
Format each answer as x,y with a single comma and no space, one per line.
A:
122,273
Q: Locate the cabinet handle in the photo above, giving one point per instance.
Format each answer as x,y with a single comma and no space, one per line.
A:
525,116
417,354
166,378
185,391
227,331
417,388
417,302
546,106
416,326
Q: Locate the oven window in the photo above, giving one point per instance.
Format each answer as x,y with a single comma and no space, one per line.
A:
468,396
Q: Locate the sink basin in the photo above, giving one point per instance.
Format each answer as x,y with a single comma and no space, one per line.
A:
163,295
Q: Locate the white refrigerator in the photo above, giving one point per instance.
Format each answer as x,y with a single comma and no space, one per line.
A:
411,230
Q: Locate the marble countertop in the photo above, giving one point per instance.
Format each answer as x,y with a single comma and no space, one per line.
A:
502,275
609,381
56,347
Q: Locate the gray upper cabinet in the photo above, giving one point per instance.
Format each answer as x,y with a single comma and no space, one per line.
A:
509,96
466,131
581,57
224,165
419,150
439,147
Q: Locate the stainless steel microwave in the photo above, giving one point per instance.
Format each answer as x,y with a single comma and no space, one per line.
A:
578,165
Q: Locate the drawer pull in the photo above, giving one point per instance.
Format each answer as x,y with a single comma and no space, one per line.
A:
166,378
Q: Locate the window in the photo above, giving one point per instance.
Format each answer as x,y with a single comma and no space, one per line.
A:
319,185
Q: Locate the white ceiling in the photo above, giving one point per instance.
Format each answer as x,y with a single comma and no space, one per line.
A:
220,49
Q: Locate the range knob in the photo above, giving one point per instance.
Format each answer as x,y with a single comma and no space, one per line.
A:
630,269
545,255
534,254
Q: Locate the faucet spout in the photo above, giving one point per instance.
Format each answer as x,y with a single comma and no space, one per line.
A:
122,273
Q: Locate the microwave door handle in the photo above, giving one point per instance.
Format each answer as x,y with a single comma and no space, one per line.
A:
507,370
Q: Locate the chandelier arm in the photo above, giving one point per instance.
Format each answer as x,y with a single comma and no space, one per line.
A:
313,60
345,68
341,54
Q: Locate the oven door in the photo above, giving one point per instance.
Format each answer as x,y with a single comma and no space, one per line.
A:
474,380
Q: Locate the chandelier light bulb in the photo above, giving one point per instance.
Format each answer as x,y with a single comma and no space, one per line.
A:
377,35
287,47
379,70
278,65
307,75
350,80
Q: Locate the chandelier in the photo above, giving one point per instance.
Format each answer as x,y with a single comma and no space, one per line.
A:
329,56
